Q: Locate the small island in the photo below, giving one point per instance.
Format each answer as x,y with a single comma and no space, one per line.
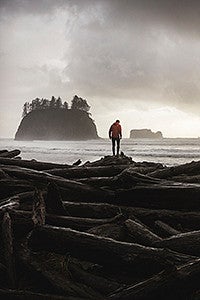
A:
44,119
145,134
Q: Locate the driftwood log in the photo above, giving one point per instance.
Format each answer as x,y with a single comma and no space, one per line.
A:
186,169
31,164
8,249
100,249
27,295
187,242
9,187
101,284
86,172
70,188
165,229
110,229
55,273
141,233
9,154
24,220
177,279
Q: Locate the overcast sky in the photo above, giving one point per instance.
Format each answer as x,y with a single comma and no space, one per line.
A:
137,61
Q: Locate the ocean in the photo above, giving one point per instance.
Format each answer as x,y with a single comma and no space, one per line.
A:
167,151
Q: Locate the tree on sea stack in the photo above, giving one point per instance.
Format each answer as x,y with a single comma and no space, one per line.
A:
79,103
53,102
26,109
58,103
65,105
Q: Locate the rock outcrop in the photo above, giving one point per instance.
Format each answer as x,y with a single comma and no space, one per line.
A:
57,124
145,134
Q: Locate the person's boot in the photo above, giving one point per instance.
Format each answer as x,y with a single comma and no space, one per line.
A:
117,152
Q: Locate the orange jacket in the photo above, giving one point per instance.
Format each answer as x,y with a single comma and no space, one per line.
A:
115,131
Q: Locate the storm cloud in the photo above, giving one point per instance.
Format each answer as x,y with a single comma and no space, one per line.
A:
120,55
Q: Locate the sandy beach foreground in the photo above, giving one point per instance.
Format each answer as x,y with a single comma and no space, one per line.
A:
108,229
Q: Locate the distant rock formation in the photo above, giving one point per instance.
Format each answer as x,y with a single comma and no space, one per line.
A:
145,134
56,124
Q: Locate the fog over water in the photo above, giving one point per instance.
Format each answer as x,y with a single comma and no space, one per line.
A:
137,61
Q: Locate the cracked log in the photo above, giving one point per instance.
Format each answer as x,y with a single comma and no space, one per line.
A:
103,250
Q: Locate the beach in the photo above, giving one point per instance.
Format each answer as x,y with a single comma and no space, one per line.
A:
112,228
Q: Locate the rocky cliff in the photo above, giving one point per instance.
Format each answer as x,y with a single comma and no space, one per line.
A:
57,124
145,134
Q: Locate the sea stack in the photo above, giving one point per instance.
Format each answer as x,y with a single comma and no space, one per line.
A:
54,121
145,134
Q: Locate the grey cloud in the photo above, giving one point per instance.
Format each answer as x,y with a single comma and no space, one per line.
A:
121,55
119,49
183,14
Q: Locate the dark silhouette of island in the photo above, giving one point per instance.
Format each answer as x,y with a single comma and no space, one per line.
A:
45,119
145,134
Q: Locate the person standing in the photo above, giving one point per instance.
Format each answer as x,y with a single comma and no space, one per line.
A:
115,134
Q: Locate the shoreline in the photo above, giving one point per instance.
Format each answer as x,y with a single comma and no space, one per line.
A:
168,152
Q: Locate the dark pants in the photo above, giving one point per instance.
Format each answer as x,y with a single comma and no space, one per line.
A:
114,141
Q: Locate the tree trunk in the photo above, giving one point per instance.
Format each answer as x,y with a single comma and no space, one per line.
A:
26,200
188,243
102,285
111,161
87,172
3,151
10,187
141,233
164,229
170,196
52,268
126,179
165,285
102,250
39,209
9,204
24,219
192,168
9,258
72,190
187,179
92,210
27,295
32,164
3,175
80,223
53,201
114,231
10,154
189,219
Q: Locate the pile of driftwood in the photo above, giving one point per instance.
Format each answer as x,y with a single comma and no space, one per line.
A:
110,229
